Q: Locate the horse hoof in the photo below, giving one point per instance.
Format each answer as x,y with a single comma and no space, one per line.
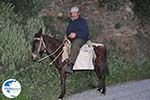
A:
101,91
102,94
60,98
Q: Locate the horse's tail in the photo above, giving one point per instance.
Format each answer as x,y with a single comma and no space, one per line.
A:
106,69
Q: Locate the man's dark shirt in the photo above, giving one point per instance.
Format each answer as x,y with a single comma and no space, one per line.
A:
80,27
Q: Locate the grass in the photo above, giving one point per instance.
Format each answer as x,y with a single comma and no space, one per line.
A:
122,72
41,82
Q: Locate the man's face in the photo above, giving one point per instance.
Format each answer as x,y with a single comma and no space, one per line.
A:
74,15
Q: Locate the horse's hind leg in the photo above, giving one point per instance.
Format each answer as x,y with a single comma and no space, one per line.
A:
101,77
103,85
63,83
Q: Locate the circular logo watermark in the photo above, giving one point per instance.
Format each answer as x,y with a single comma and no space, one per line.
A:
11,88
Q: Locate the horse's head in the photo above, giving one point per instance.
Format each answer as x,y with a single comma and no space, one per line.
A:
38,45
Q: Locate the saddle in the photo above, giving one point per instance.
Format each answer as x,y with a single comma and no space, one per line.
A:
85,57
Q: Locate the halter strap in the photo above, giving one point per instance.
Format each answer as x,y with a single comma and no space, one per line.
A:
37,39
41,42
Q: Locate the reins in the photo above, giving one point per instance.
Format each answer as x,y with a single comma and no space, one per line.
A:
42,42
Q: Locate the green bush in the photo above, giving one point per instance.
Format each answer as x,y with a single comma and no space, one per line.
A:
27,8
7,16
13,47
142,9
32,26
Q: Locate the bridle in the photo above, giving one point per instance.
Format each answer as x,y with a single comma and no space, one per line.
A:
41,43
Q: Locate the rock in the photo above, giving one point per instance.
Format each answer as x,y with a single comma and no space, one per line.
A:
121,26
60,14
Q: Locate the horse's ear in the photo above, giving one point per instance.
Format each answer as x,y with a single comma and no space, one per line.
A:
40,31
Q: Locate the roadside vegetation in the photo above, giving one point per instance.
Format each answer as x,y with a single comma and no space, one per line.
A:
40,81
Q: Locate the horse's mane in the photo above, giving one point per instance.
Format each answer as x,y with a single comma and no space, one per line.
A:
48,39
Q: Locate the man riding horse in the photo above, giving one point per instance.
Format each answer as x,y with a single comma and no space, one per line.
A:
78,33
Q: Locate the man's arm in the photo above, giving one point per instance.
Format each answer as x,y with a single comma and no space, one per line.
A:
68,30
83,30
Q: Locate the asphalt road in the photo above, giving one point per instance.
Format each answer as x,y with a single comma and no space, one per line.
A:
137,90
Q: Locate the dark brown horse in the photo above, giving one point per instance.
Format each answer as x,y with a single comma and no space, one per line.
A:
46,44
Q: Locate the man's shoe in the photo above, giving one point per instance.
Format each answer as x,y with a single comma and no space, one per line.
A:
69,68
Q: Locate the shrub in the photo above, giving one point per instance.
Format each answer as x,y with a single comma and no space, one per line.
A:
13,47
142,9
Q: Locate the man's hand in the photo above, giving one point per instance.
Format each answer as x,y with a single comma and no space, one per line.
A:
72,35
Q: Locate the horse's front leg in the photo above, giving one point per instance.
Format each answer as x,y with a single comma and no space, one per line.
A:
101,77
63,83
